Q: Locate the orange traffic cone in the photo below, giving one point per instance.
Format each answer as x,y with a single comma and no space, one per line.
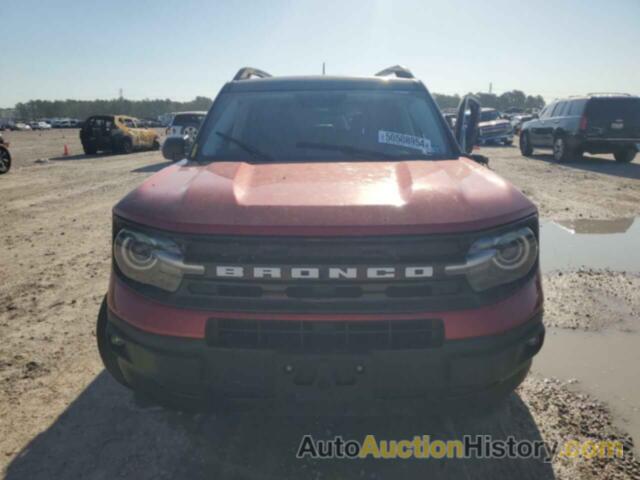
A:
66,150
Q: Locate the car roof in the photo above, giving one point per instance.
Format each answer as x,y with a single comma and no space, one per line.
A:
598,96
322,82
195,112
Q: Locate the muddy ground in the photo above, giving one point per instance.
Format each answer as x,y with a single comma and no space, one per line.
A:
61,415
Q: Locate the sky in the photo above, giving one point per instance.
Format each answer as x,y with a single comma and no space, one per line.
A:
180,49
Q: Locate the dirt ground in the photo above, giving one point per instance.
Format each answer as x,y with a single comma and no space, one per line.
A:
62,416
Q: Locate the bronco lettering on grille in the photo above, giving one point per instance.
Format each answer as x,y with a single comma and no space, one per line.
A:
324,273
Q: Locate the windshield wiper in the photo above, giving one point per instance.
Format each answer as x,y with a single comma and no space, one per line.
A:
350,150
247,148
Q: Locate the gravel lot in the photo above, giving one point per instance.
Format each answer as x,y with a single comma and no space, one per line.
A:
63,417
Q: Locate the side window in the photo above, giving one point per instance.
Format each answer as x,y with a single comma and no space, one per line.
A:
577,107
559,109
546,112
128,122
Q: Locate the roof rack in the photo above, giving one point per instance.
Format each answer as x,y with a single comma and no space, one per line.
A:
246,73
397,70
607,94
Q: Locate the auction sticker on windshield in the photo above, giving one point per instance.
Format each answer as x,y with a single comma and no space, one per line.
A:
404,140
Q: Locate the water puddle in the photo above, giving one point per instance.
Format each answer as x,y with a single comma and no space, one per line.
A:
599,244
605,365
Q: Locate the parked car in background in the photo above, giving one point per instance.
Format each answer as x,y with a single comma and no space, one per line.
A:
185,123
6,124
494,129
5,156
596,123
116,133
21,126
39,126
518,120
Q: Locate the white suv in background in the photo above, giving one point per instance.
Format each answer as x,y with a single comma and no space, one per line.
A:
185,123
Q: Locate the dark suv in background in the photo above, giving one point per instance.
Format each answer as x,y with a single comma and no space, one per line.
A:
596,123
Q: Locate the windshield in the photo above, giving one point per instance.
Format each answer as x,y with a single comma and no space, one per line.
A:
489,116
187,119
323,126
612,109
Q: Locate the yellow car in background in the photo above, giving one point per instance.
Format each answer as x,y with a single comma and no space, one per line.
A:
116,133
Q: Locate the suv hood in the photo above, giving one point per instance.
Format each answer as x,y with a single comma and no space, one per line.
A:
356,198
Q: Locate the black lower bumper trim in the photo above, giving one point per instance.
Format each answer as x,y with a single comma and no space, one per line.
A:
192,368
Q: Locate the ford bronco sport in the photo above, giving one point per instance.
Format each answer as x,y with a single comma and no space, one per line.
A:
324,238
597,123
116,133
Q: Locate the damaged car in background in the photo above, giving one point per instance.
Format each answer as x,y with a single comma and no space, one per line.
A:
116,133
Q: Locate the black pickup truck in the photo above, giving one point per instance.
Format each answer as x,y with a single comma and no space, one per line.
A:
596,123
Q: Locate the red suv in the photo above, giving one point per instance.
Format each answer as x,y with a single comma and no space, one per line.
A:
324,238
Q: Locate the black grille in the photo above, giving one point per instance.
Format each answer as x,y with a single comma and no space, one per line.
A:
314,336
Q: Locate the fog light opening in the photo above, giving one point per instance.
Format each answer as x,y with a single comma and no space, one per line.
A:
534,341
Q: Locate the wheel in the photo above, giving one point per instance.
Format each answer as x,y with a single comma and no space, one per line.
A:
525,144
190,131
561,151
89,149
155,145
106,354
127,145
625,156
5,161
508,142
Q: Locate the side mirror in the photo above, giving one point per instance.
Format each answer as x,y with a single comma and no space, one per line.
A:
481,159
174,148
467,123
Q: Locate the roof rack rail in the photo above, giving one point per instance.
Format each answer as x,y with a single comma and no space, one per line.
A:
397,70
607,94
246,73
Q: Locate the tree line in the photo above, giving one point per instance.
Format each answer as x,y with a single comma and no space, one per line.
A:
82,109
511,99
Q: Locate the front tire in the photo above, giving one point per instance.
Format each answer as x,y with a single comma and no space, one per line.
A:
127,146
89,149
625,156
525,144
5,161
561,151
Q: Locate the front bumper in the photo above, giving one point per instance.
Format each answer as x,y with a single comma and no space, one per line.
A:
495,137
604,144
191,368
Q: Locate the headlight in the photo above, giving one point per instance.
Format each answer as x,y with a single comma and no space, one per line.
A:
151,260
498,260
